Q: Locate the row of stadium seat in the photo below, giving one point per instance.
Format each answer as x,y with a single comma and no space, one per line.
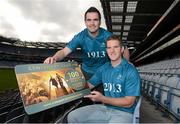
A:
164,67
12,110
163,89
9,103
15,113
18,115
166,64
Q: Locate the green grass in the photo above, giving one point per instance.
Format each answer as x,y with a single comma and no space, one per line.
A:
7,79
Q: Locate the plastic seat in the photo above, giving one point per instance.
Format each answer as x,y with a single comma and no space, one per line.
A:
18,104
173,71
15,112
175,100
136,114
5,108
147,84
158,85
17,119
172,83
3,117
166,89
177,71
151,89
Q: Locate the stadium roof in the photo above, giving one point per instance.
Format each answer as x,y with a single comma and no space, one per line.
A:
133,19
17,42
142,24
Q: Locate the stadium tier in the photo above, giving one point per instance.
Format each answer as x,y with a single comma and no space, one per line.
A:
13,52
149,28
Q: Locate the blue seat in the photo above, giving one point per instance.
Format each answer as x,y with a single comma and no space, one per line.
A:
136,114
175,101
147,80
17,119
157,91
163,97
151,89
15,112
171,84
177,71
3,117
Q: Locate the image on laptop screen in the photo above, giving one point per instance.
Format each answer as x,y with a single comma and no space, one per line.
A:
43,86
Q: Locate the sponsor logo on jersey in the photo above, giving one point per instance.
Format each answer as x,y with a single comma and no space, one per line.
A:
103,45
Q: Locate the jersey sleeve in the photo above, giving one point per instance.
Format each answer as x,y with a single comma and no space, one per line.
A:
74,43
97,77
132,86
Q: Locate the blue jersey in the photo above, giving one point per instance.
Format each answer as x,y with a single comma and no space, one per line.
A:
120,81
93,49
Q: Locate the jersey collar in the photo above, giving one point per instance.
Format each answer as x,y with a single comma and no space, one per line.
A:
123,62
100,32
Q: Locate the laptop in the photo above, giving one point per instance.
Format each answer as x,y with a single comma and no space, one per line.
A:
43,86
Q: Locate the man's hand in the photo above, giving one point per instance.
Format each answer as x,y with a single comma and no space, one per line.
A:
95,96
50,60
61,54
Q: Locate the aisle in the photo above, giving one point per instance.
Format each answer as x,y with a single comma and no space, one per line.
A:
148,114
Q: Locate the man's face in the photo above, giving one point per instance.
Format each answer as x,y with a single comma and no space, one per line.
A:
92,22
114,50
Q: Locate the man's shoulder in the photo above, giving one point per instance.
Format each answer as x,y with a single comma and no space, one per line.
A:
83,32
105,31
129,65
105,66
81,35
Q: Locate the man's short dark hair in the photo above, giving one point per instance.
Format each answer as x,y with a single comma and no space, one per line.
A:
115,37
92,9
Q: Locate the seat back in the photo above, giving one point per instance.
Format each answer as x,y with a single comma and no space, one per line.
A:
17,119
136,112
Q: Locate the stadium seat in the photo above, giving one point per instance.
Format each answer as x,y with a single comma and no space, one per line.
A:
63,118
3,117
178,71
15,105
17,119
146,84
164,100
5,108
158,85
151,87
172,83
173,71
136,114
167,71
175,100
15,112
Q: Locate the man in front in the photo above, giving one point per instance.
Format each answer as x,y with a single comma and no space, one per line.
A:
121,84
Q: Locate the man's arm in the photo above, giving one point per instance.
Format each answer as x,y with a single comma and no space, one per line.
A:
59,55
126,101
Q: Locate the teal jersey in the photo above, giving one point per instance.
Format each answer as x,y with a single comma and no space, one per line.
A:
120,81
93,49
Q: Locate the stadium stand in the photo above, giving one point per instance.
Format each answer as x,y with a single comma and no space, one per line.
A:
153,39
136,114
163,86
14,52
